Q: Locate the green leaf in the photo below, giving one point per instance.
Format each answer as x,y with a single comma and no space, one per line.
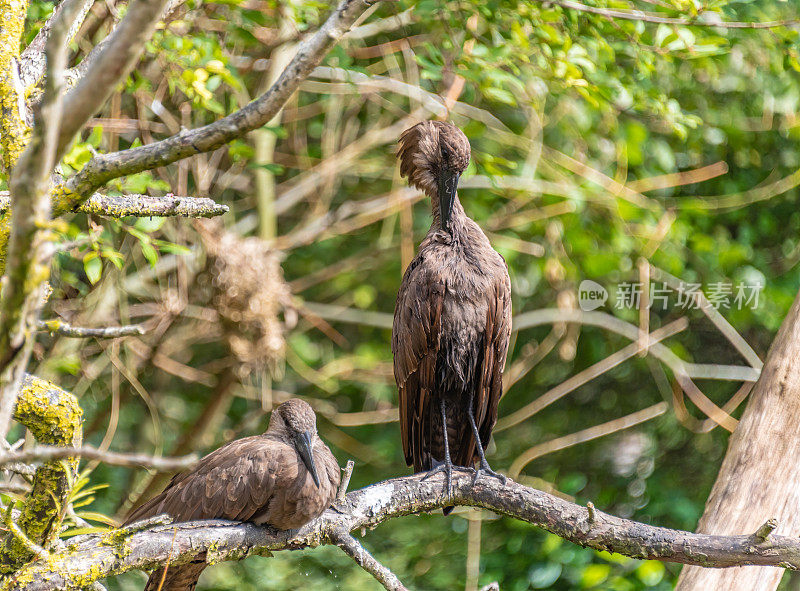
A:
93,267
150,253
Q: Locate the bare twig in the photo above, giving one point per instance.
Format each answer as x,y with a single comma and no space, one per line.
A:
347,473
589,374
591,516
61,328
566,441
706,19
46,453
766,529
365,560
94,557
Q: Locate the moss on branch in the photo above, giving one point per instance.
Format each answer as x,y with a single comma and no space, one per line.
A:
54,418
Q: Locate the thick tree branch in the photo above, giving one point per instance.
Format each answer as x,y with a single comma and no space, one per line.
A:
758,477
12,93
27,271
89,558
310,53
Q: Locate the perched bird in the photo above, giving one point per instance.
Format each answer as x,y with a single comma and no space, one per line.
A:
283,478
452,320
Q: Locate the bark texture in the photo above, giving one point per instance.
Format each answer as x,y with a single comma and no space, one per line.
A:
759,477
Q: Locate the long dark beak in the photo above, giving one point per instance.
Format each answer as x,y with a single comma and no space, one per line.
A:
448,183
303,442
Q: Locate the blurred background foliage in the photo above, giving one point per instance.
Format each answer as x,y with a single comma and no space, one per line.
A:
599,145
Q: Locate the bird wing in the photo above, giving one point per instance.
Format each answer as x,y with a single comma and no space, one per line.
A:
498,333
492,354
415,345
234,482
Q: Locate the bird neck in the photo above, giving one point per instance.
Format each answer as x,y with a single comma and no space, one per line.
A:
457,216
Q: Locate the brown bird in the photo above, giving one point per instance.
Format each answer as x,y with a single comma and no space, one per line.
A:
452,320
283,478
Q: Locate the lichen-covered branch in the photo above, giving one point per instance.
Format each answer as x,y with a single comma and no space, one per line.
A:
54,418
64,329
26,270
118,206
90,558
13,130
104,167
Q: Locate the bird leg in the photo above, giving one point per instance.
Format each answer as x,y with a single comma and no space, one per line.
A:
484,466
447,465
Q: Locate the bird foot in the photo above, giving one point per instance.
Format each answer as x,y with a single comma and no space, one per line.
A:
484,468
448,468
340,508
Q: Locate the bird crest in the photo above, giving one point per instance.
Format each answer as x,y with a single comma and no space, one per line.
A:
427,149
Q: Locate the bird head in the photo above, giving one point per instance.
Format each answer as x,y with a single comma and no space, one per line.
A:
433,154
297,421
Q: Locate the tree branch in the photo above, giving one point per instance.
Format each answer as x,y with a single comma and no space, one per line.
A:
365,560
64,329
32,61
93,557
44,453
27,271
114,62
310,53
706,19
118,206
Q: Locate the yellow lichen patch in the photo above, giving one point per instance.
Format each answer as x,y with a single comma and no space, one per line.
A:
5,229
54,417
13,130
62,200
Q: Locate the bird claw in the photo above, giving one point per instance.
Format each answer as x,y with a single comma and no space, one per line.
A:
447,468
339,508
489,472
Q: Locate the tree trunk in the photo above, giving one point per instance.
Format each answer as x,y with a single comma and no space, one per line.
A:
760,475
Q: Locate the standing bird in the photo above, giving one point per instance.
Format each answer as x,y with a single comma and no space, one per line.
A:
283,478
452,320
